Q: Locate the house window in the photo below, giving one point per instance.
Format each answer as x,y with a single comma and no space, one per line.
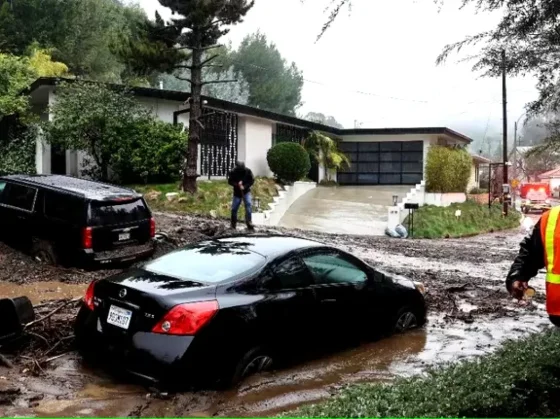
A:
476,172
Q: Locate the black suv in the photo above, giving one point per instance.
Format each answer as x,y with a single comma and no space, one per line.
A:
65,219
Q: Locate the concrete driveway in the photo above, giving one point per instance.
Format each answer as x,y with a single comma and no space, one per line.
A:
344,209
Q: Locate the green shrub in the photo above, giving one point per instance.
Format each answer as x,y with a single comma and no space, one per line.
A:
521,379
288,161
447,169
477,191
18,150
155,153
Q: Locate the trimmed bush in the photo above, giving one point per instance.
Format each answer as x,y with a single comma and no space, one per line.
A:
289,161
447,170
521,379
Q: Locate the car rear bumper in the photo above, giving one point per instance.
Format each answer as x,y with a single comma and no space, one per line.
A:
152,356
121,255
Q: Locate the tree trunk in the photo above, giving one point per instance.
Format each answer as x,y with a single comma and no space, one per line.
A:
190,175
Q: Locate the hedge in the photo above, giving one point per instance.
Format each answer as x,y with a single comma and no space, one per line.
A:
521,379
447,169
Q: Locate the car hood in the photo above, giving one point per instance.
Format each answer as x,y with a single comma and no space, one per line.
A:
397,279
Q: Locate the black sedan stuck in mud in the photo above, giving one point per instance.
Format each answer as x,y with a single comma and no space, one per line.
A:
222,309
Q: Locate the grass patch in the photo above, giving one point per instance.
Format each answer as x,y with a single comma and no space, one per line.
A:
215,195
521,379
433,222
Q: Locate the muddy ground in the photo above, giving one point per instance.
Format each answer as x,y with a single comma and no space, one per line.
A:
470,314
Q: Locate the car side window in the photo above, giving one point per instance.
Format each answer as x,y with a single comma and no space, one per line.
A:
19,196
290,274
63,207
333,268
2,186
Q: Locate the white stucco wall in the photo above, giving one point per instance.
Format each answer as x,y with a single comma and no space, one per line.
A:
255,139
473,182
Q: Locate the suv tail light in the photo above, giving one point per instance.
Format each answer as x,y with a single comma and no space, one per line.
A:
88,298
152,227
87,238
187,319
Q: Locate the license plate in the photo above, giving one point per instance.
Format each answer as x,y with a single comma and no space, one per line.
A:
124,236
119,317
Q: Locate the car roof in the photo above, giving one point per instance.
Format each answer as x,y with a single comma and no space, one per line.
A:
269,245
88,189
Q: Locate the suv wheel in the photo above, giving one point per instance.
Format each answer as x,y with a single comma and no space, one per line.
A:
44,252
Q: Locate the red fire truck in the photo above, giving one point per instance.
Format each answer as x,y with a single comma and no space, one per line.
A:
535,197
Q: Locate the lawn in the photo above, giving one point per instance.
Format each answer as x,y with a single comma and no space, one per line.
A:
521,379
433,222
214,195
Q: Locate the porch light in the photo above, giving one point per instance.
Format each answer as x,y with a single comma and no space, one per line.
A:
395,200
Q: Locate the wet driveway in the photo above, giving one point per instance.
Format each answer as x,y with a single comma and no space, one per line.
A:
344,209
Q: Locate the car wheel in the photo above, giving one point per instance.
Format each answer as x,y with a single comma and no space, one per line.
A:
252,362
405,319
44,252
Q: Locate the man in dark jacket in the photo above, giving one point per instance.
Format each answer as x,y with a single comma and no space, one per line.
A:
241,178
538,250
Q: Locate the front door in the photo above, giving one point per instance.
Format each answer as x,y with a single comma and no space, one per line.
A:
58,160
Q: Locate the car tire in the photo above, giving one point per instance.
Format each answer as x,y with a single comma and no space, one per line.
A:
45,252
254,361
406,319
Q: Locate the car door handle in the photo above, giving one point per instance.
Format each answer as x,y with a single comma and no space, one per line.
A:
329,300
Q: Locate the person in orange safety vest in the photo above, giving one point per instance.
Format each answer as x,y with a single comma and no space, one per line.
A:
539,250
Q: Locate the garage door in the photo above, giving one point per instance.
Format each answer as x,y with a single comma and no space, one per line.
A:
383,163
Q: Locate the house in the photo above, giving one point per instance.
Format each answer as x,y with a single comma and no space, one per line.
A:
552,177
478,165
380,156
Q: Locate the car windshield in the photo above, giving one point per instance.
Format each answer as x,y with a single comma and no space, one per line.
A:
103,213
204,264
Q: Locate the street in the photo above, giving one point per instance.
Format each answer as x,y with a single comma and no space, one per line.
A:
470,313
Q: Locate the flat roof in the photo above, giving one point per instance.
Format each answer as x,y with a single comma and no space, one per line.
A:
83,187
224,105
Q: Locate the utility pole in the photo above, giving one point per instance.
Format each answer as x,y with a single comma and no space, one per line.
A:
504,111
514,194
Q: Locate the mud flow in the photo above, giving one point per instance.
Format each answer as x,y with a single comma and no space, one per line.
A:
470,315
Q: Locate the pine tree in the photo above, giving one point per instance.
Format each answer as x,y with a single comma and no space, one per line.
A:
198,27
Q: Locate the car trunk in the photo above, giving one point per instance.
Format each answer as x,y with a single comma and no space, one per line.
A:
118,223
135,301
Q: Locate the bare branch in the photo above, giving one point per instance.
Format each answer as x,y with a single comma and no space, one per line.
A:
184,79
219,81
213,57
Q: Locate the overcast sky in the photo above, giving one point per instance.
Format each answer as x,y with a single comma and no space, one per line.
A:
377,63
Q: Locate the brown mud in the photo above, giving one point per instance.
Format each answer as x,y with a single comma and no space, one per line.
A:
470,314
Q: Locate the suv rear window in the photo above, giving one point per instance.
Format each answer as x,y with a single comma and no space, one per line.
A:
110,213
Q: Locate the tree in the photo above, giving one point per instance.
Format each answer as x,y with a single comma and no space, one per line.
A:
234,91
199,26
96,120
323,119
274,84
81,33
17,73
324,151
125,141
528,31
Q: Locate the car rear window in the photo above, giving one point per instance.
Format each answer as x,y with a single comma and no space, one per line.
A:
204,265
103,213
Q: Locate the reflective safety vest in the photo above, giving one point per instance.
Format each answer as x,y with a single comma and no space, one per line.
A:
550,233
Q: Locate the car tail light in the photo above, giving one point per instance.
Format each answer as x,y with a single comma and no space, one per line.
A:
88,298
152,227
87,238
187,319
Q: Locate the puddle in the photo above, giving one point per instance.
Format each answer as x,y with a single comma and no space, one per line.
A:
38,292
